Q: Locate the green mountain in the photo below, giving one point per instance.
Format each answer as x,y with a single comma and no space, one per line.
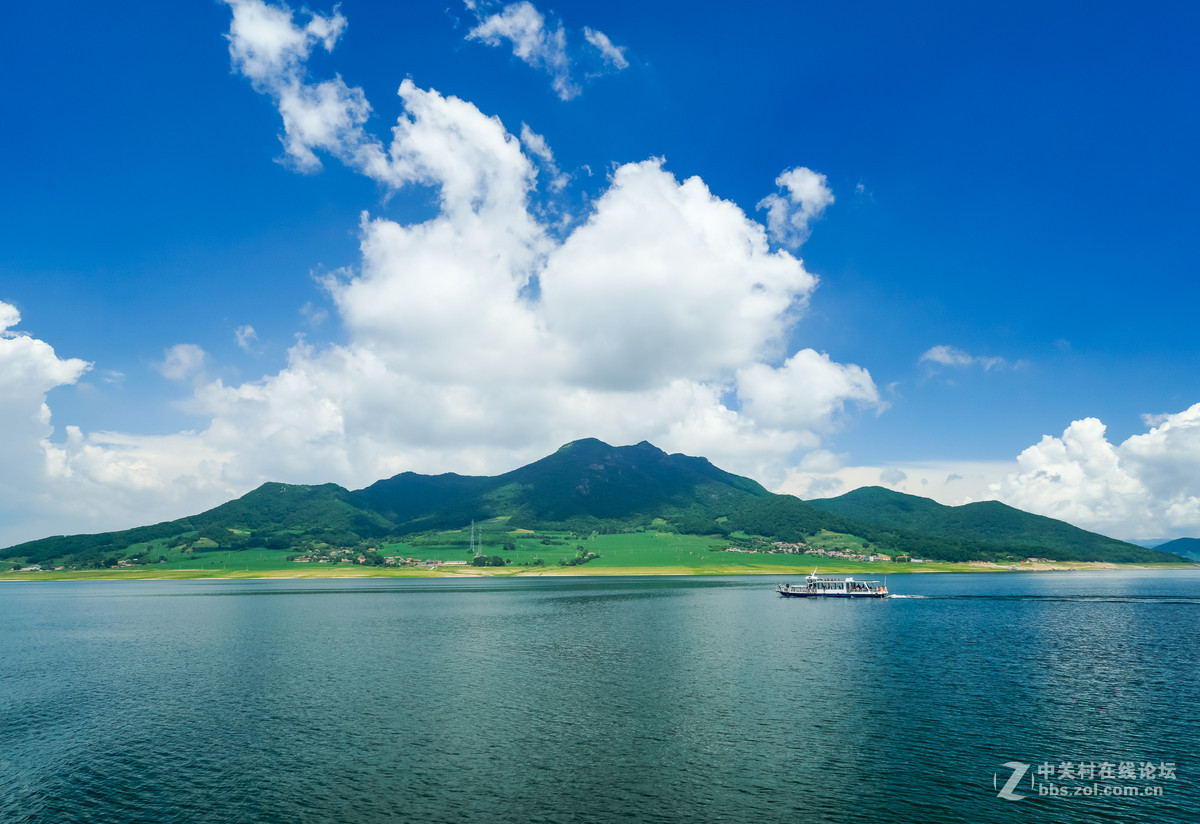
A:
1187,547
587,486
977,531
274,516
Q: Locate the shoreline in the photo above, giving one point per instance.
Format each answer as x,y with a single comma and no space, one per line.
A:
310,573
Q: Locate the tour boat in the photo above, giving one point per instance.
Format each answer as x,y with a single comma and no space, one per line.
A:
817,587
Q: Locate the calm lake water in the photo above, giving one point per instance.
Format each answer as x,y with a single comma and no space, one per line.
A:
600,699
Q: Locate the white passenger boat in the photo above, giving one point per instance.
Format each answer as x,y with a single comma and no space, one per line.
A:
815,586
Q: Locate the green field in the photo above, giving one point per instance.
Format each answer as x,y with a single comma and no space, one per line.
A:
550,548
544,552
541,553
693,554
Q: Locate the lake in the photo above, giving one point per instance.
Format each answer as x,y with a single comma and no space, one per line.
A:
981,698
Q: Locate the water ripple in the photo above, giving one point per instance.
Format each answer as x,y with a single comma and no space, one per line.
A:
588,701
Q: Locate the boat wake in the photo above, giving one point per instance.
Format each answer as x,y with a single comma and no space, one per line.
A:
1081,599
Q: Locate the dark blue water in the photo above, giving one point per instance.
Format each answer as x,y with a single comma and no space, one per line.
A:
597,700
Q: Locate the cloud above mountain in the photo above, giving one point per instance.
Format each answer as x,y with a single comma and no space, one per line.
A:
29,369
514,315
1145,486
485,336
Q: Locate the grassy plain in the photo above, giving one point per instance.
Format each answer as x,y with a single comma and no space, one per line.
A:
542,554
863,571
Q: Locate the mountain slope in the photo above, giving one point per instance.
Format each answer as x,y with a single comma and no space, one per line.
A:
587,485
1187,547
979,530
267,516
583,487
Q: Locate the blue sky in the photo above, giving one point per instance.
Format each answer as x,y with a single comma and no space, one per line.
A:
594,226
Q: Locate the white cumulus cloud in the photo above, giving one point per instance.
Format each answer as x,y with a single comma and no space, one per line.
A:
29,369
478,340
666,280
268,48
1145,486
803,197
9,317
182,362
807,392
245,336
532,41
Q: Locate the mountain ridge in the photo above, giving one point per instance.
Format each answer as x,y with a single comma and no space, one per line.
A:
1186,547
590,486
990,525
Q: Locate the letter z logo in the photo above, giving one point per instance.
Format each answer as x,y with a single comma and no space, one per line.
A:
1006,792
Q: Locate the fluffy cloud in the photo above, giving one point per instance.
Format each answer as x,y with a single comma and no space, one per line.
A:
663,281
265,43
9,317
532,41
541,45
478,340
790,213
246,337
1146,486
182,362
29,369
268,48
807,392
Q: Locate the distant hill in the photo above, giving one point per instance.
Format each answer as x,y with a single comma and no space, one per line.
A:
1187,547
585,486
977,531
589,486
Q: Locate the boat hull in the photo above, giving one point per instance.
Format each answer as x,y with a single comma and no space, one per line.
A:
815,586
789,594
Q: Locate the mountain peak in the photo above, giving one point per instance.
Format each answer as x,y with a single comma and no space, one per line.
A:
583,443
589,485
